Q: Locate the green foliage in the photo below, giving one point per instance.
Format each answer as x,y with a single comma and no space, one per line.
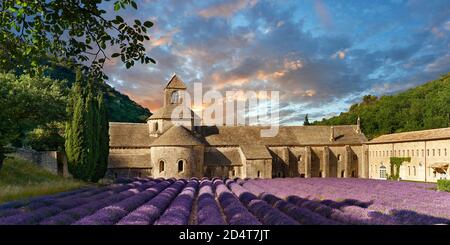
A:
423,107
26,103
22,179
103,140
87,139
32,109
48,137
443,185
120,107
395,163
68,31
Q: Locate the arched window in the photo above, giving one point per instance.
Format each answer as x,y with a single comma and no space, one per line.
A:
259,174
155,126
180,165
414,170
300,158
161,166
175,97
342,173
339,157
383,172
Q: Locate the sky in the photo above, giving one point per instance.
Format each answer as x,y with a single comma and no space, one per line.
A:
322,56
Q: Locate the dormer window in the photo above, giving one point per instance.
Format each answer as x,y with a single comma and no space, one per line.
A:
175,98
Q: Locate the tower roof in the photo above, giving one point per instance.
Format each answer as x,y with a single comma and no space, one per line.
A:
175,83
176,136
166,112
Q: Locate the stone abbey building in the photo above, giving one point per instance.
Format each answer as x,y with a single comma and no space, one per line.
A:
159,148
166,148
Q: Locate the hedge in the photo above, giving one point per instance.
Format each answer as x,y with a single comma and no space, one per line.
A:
443,185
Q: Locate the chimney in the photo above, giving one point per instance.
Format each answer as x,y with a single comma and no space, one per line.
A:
358,126
331,133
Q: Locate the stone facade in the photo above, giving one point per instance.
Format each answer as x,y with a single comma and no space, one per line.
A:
53,161
168,147
429,151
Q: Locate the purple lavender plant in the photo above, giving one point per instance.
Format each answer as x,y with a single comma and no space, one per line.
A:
208,212
179,211
150,211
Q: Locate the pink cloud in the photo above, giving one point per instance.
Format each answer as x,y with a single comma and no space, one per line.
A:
323,13
226,9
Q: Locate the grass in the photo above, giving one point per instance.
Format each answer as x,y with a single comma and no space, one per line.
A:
20,179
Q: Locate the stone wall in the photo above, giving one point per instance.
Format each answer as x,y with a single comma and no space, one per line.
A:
423,154
166,160
52,161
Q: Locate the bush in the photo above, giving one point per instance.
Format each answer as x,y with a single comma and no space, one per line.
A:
443,185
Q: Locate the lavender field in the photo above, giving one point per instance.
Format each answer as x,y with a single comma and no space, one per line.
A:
289,201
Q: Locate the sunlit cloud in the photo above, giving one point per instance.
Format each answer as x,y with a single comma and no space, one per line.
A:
226,9
321,57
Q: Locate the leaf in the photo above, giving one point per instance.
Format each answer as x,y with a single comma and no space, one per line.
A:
114,55
133,3
137,22
116,6
148,24
119,18
128,65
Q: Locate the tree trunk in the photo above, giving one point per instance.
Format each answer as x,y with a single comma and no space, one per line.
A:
2,157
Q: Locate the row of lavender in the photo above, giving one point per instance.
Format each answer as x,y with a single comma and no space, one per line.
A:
203,202
361,201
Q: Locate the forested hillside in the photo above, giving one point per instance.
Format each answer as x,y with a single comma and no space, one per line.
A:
424,107
120,107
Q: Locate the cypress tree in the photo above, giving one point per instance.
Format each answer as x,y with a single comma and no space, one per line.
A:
91,130
76,131
306,121
103,139
87,137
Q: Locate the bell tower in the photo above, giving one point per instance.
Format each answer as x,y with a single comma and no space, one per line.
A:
174,91
174,111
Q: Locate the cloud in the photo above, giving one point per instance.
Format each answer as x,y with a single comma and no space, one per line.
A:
323,13
165,39
339,54
320,63
225,9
